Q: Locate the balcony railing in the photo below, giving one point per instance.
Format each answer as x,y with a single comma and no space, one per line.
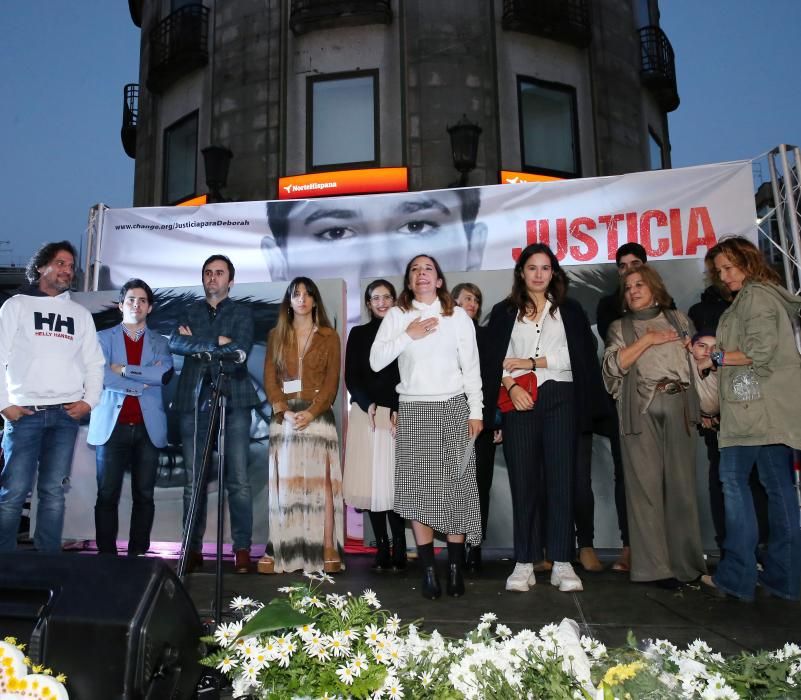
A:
130,115
311,15
178,45
658,67
567,21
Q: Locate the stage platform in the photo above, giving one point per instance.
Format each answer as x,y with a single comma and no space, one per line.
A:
607,609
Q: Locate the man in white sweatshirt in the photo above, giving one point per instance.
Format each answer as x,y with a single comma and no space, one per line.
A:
51,376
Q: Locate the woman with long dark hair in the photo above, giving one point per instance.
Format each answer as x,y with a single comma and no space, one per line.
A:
369,480
439,413
651,375
301,377
537,328
760,382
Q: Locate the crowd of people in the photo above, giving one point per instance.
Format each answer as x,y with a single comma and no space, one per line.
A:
433,392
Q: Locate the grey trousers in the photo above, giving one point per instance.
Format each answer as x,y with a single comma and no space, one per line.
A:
659,467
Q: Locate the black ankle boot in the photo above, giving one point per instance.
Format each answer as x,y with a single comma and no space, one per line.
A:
399,553
455,581
473,563
383,560
430,588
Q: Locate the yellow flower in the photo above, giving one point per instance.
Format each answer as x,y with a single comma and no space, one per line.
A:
61,678
10,640
621,673
37,668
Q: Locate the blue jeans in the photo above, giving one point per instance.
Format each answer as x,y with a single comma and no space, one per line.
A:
45,439
237,481
737,573
128,446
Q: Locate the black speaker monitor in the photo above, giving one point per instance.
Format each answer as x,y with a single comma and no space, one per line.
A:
119,628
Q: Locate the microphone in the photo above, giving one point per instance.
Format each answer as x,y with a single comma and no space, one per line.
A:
238,357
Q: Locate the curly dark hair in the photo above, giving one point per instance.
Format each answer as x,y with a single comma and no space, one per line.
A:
45,255
557,288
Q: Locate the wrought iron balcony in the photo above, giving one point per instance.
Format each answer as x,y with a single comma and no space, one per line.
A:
135,8
311,15
658,68
567,21
130,115
178,45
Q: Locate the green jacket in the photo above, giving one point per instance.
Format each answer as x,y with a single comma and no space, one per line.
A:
758,324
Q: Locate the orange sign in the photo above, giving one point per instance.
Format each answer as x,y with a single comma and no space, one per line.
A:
194,202
367,181
509,177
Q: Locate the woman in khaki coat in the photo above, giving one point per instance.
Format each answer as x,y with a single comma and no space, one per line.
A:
760,386
648,371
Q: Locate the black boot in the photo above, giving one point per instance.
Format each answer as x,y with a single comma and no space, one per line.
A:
430,588
399,553
455,581
473,562
455,563
383,560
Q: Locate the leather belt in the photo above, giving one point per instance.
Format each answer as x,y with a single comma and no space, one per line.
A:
670,387
48,407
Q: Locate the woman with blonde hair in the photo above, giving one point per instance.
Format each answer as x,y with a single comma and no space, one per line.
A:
650,374
301,377
760,383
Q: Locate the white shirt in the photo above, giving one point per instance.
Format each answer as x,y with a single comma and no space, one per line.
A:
438,366
549,333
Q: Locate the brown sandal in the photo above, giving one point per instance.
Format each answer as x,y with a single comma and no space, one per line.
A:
266,565
332,564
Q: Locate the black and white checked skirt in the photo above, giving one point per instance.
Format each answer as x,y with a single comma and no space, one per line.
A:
430,445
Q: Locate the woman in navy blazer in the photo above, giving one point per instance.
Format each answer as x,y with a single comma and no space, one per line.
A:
541,462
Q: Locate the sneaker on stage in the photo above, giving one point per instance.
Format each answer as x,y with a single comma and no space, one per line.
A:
563,576
522,578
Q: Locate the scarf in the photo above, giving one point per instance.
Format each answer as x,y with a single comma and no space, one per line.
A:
631,412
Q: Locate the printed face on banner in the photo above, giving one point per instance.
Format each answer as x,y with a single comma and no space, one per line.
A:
360,237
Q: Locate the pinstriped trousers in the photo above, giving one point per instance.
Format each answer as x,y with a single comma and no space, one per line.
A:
540,451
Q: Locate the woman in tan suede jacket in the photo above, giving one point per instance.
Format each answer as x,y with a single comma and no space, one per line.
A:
301,377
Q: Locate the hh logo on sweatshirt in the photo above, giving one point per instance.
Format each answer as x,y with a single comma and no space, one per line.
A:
54,324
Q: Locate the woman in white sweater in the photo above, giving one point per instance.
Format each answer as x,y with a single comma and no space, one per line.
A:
439,417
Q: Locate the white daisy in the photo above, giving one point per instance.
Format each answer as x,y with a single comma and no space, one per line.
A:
345,674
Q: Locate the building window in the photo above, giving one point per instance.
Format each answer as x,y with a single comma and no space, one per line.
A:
342,120
548,128
180,159
656,152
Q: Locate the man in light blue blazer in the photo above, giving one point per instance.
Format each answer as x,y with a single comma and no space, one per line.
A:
129,424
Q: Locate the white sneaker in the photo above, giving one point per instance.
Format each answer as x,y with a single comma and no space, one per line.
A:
522,578
562,575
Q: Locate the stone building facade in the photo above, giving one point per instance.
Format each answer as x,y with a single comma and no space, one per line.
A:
567,88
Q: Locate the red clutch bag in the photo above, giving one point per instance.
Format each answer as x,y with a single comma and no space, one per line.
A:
527,381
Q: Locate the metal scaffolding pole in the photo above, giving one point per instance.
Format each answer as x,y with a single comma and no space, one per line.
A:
791,207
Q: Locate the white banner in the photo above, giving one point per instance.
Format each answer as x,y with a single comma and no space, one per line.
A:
674,214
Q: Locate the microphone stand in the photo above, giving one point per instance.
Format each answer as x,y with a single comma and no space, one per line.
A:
217,411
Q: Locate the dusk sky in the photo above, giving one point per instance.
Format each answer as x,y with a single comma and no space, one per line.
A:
65,65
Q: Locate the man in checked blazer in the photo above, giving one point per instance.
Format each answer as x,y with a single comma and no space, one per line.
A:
129,424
